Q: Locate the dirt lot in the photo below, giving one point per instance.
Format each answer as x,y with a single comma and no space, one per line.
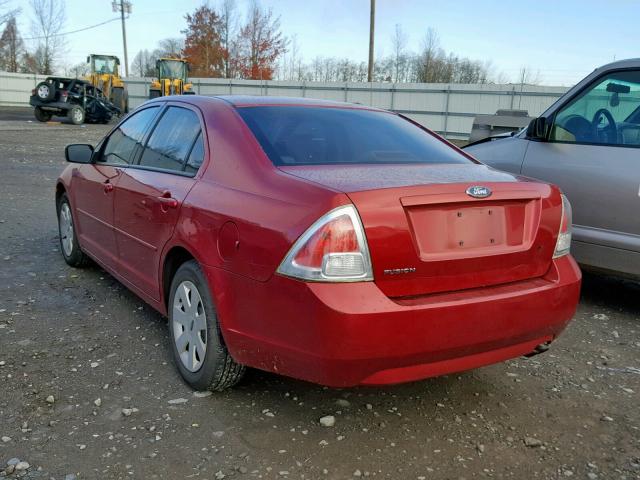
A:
76,348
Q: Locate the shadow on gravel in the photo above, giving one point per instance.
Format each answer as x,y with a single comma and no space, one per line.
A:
616,293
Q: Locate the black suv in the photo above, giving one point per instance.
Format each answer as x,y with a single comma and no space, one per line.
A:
73,98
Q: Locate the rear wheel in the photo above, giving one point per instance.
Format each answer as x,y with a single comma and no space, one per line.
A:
119,99
46,91
41,115
76,115
198,350
69,246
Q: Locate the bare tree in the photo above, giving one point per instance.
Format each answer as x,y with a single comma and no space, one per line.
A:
78,70
229,36
432,65
11,47
144,63
171,47
427,59
7,13
399,45
527,76
49,17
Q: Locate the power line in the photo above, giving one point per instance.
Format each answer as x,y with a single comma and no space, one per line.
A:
75,31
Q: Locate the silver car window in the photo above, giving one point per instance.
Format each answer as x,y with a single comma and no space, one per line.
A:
607,112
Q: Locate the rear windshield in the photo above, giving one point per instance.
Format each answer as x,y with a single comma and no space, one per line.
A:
297,135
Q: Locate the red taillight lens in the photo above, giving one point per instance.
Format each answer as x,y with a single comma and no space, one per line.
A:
333,249
337,236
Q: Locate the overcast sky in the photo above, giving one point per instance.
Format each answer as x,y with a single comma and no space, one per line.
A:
564,39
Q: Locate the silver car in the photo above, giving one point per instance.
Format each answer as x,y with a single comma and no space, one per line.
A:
588,143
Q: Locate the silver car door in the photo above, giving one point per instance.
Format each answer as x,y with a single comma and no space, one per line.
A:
593,154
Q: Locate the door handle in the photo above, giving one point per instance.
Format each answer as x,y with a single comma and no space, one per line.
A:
108,187
167,201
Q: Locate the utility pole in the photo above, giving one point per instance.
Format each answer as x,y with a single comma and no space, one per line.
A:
372,25
123,6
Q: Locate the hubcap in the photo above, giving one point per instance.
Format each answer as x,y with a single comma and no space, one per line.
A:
189,326
43,91
77,115
66,229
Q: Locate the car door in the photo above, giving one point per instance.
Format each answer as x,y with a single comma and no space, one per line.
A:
149,194
94,183
593,153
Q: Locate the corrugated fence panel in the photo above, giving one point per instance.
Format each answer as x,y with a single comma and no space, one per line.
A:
448,109
15,88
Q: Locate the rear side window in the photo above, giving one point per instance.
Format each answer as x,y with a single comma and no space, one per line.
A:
297,135
196,157
122,143
172,140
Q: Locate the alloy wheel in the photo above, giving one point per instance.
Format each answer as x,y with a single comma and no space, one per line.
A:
77,115
43,91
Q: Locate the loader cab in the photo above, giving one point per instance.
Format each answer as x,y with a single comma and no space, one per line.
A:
104,64
172,69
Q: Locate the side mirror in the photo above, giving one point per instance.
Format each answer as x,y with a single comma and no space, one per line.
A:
78,153
88,59
538,129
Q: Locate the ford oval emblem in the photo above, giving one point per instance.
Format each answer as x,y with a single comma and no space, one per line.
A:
478,192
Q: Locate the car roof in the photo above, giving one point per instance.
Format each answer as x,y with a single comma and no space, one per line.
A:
628,63
255,100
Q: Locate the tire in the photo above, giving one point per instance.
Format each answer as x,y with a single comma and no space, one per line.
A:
69,246
214,369
76,115
119,99
41,115
154,94
46,91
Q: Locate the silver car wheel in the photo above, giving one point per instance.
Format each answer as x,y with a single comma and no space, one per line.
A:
189,326
77,115
43,91
66,229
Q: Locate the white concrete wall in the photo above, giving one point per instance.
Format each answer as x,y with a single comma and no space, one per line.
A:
448,109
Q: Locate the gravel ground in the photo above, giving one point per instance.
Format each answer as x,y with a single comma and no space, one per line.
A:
88,389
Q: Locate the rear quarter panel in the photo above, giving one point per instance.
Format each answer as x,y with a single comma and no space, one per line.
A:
505,154
243,214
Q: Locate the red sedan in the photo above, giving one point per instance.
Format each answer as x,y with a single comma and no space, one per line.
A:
329,242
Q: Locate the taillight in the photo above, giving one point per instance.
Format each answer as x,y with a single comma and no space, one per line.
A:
333,249
33,91
563,244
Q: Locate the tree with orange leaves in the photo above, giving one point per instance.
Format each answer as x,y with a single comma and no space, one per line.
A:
202,46
260,44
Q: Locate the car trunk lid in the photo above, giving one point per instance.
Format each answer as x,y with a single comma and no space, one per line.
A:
434,237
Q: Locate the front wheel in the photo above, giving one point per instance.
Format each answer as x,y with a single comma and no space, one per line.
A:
76,115
69,245
198,350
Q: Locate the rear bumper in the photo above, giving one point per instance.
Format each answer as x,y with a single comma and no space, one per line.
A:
352,334
50,106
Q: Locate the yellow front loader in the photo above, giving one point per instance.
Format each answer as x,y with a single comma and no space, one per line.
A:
105,74
172,78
